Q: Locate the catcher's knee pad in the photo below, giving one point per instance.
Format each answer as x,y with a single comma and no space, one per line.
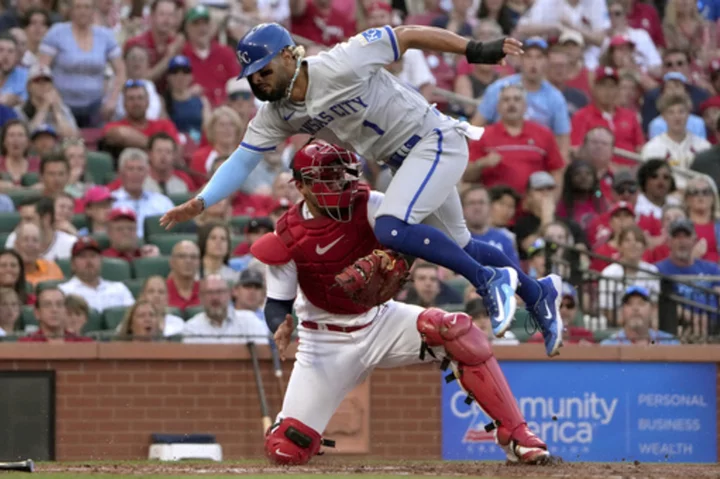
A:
290,442
477,369
463,341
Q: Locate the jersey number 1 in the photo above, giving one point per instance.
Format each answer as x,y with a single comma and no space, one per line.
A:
373,127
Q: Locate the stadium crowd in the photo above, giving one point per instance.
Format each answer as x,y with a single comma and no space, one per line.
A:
115,110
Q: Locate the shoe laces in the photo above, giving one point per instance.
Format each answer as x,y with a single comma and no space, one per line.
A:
488,300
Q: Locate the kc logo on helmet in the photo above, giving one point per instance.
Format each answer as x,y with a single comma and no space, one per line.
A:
243,57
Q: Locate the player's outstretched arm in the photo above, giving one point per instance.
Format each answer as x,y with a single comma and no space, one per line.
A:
226,180
439,39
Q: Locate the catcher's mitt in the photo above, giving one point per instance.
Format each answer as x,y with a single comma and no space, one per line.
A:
375,278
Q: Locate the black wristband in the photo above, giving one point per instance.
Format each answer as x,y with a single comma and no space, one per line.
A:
202,201
485,52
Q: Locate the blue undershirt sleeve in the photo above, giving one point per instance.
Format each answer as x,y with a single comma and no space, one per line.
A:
231,175
275,312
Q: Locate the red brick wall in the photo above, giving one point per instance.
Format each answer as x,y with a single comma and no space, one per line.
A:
107,409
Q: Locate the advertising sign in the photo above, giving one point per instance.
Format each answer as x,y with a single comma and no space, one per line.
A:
597,411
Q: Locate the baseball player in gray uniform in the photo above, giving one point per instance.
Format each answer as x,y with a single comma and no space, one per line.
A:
346,97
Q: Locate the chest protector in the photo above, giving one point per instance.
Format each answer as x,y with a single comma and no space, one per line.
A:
321,248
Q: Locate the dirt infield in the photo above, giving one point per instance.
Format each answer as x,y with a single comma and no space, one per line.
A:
337,467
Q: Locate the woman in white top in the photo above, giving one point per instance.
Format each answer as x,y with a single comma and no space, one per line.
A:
616,277
155,291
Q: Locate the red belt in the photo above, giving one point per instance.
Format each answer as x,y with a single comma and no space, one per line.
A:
333,327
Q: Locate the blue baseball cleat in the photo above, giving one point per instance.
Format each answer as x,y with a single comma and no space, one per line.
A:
546,313
498,296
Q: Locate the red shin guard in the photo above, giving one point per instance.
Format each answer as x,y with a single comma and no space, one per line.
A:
479,372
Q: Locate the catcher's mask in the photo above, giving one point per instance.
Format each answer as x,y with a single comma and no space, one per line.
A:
332,175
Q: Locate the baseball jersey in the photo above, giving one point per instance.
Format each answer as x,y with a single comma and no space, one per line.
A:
351,101
282,281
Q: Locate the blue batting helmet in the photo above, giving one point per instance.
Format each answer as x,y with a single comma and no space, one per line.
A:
260,45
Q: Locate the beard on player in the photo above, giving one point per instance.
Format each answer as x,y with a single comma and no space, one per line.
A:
272,82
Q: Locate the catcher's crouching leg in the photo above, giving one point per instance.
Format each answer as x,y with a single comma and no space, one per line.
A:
480,375
290,442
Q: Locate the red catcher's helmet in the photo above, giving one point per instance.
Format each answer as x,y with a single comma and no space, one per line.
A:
332,174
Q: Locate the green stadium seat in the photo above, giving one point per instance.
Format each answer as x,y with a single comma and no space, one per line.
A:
192,311
18,196
115,269
80,221
29,288
135,286
113,316
3,239
166,241
51,283
8,221
99,165
65,267
94,322
152,226
180,198
110,177
458,284
27,318
102,239
238,223
146,267
29,179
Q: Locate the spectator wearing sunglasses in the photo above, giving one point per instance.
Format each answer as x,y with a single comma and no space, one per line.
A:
656,183
675,61
702,206
186,106
135,129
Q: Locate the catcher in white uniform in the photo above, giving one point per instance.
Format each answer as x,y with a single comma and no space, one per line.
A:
318,247
347,98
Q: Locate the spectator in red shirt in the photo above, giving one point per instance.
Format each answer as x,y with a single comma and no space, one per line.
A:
604,112
183,287
557,75
710,111
597,149
51,313
621,216
670,214
213,64
224,131
320,22
122,233
578,76
701,200
159,40
644,15
581,199
513,149
625,188
254,230
135,129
